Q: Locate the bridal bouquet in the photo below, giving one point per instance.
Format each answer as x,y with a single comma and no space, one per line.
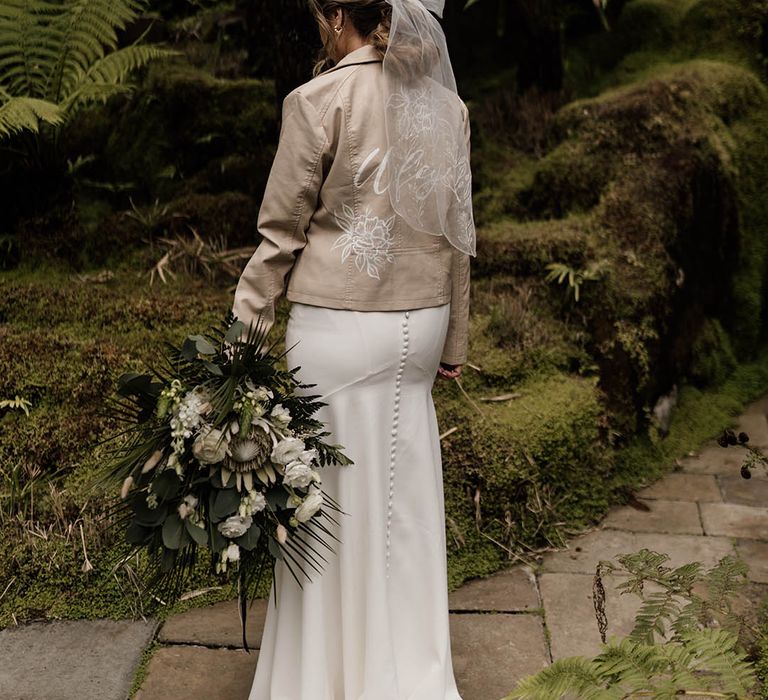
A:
220,451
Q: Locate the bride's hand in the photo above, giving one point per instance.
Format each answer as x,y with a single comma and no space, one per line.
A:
447,371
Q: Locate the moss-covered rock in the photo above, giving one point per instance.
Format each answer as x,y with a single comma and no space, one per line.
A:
712,358
514,469
178,122
519,248
655,182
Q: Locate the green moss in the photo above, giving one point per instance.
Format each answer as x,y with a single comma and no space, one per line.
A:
712,358
701,414
525,248
510,462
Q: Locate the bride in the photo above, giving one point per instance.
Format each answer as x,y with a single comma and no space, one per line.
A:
367,215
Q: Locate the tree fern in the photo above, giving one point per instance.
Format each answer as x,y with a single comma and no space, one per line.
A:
670,652
19,113
576,674
63,55
715,651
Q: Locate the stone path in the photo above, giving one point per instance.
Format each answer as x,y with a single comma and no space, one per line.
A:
502,627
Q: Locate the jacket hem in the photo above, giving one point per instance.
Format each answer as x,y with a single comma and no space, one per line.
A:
368,305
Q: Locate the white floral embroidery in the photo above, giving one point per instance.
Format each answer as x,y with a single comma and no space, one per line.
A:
413,111
367,236
426,168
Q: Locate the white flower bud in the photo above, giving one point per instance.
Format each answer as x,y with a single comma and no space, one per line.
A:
126,487
152,462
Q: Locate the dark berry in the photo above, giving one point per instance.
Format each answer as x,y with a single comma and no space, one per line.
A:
743,437
732,439
722,440
745,473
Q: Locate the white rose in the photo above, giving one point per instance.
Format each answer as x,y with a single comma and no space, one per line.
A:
282,534
308,456
298,475
287,450
258,502
281,416
210,446
235,526
309,506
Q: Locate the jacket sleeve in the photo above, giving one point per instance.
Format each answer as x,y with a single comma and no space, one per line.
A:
290,200
457,339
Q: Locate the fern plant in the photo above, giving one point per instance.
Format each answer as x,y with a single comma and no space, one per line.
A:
57,56
563,273
683,643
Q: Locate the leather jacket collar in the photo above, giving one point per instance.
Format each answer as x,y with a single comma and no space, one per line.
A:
364,54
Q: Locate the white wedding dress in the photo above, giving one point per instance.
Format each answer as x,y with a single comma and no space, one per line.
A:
374,624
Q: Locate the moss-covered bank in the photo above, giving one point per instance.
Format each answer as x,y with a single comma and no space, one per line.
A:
519,473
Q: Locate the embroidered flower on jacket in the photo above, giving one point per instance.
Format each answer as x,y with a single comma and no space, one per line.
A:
367,236
414,111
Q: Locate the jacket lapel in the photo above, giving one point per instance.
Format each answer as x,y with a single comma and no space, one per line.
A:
365,54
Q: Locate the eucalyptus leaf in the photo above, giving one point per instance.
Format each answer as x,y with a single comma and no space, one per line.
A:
137,534
202,345
277,498
133,384
250,538
226,503
198,534
234,332
166,484
189,349
213,368
172,529
151,517
218,542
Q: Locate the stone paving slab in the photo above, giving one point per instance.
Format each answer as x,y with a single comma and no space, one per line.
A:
748,492
586,550
755,554
758,406
675,517
734,520
756,426
713,459
491,653
72,660
570,613
216,625
198,672
682,486
506,591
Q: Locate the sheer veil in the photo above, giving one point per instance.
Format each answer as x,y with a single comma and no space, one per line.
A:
427,172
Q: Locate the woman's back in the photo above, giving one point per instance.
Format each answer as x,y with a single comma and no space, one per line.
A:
327,220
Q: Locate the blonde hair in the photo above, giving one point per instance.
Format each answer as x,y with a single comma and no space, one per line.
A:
370,18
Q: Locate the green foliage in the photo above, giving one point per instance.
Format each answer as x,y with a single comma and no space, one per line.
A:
712,357
57,57
705,663
564,274
17,403
689,656
673,604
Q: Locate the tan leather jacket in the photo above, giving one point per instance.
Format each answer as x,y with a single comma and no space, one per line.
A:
325,228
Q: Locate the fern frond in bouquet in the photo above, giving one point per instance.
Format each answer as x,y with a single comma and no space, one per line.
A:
219,450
